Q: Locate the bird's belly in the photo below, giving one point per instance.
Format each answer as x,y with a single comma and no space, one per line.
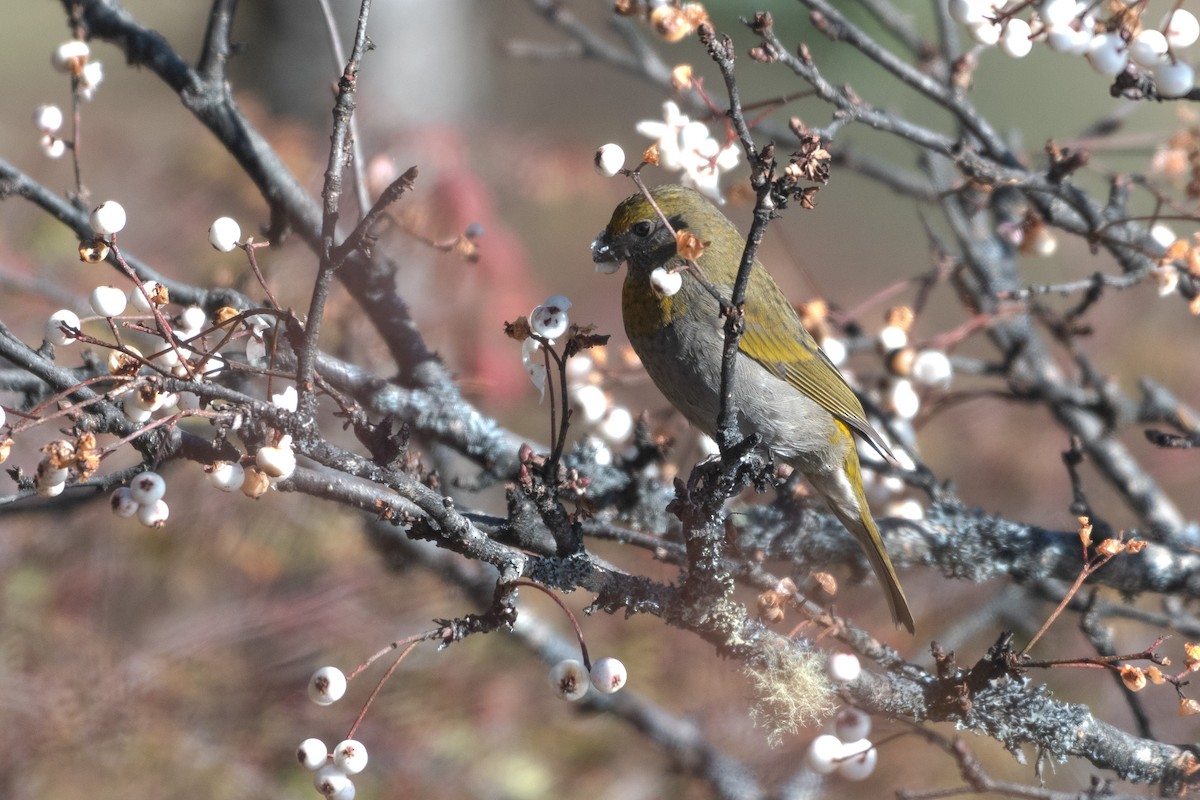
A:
687,370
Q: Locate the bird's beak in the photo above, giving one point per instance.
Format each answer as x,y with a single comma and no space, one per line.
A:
602,249
604,255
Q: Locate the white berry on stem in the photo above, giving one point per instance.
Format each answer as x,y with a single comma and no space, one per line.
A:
350,756
54,327
609,675
569,679
312,754
327,686
108,218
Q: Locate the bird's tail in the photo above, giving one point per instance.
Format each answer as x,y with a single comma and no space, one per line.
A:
844,494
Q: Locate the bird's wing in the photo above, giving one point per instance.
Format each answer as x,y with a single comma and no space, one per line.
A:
790,353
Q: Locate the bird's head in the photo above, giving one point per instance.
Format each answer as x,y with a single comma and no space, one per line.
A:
638,235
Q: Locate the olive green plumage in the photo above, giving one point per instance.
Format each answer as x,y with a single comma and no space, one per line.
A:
785,388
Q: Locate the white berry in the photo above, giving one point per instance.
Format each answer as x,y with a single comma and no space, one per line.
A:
123,504
569,679
1181,29
844,667
852,724
1058,12
986,33
138,300
147,488
617,426
591,402
859,760
154,515
609,160
326,686
1163,235
278,461
550,320
312,754
609,675
1148,48
350,756
90,77
228,476
835,349
969,12
666,282
191,321
1107,54
52,146
1174,79
108,301
822,754
68,54
1065,39
54,332
224,234
49,479
329,780
892,338
48,119
904,399
135,413
932,368
108,218
1015,41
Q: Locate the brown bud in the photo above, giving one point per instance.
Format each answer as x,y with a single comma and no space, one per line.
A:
87,456
93,252
1133,678
518,329
1191,653
1188,707
688,245
1085,531
60,452
256,483
695,14
901,317
224,314
772,615
681,81
123,364
900,361
650,155
1192,261
670,23
826,583
813,314
5,450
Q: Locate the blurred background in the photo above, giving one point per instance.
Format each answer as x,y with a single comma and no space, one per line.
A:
138,663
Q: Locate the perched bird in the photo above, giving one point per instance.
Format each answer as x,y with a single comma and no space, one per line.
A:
785,388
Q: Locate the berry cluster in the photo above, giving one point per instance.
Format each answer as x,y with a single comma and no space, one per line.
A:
570,678
607,424
1122,43
847,750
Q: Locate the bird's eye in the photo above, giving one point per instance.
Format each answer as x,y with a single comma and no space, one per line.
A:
643,228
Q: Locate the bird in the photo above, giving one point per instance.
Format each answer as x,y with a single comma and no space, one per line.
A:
785,388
